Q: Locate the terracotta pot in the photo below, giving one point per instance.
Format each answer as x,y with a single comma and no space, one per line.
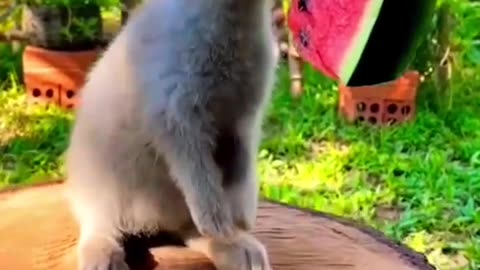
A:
56,76
386,103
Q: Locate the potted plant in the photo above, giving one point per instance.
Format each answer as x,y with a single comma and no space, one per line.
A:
64,39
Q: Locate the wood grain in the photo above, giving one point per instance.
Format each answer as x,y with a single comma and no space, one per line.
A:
38,233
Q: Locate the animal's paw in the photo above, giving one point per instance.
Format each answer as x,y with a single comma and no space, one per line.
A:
254,256
244,253
98,254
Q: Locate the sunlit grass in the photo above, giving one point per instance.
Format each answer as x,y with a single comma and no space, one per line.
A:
32,139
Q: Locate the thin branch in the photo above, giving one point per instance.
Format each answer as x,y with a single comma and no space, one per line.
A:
445,56
14,35
295,65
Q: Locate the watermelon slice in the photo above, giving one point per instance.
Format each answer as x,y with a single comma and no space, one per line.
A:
359,42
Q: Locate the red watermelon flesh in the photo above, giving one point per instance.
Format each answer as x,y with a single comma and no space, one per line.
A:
331,34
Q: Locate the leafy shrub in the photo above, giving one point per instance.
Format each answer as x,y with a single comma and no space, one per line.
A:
10,64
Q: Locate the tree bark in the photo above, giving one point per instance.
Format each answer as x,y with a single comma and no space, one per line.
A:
443,72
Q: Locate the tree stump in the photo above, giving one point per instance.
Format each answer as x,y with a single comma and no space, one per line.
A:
37,232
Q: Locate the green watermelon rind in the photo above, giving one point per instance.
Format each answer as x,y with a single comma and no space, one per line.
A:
359,40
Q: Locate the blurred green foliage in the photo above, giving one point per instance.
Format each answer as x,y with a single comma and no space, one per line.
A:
464,37
72,3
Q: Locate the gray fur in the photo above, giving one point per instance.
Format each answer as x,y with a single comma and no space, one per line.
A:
167,133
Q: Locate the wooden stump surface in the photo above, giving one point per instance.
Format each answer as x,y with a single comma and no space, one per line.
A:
38,233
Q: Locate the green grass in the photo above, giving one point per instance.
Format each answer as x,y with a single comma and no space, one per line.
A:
32,139
419,182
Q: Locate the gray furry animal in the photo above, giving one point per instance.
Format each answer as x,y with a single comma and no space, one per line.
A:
167,133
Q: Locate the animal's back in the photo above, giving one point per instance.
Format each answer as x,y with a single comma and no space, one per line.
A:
171,53
192,53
